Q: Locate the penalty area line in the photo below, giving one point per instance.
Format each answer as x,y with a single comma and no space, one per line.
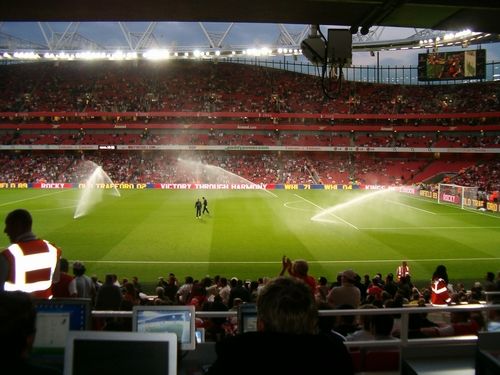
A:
463,210
408,206
329,213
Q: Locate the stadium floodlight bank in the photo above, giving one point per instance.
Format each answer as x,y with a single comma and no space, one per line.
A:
463,196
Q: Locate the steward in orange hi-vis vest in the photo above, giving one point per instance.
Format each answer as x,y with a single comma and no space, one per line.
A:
402,271
29,264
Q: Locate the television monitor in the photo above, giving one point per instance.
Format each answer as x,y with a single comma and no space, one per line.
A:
54,319
247,317
120,353
167,318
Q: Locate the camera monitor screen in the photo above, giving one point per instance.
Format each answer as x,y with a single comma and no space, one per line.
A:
56,317
247,317
176,319
120,353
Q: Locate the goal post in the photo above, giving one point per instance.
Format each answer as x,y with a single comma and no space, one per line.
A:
463,196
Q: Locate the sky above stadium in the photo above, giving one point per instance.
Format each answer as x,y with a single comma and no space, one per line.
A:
168,34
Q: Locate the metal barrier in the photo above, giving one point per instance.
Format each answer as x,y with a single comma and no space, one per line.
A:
394,356
404,312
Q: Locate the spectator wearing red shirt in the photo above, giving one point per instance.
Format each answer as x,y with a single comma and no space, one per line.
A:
374,289
298,269
60,289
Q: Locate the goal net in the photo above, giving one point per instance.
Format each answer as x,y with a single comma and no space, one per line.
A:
463,196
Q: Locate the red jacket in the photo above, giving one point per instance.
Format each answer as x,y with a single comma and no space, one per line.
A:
439,292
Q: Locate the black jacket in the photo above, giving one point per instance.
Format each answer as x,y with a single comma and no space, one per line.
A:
276,353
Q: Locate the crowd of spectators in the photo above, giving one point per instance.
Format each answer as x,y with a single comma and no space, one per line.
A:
484,175
218,87
349,291
220,137
245,167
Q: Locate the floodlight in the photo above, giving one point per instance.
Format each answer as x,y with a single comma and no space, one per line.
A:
156,54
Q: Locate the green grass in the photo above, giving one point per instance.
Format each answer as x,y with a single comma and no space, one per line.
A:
149,233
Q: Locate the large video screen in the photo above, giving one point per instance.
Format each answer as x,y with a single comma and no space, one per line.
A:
455,65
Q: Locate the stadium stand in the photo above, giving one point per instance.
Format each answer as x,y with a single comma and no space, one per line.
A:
192,104
223,87
264,125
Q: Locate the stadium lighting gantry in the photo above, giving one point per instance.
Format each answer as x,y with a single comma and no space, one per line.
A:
439,39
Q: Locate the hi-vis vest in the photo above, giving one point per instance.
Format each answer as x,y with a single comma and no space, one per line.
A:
32,267
402,271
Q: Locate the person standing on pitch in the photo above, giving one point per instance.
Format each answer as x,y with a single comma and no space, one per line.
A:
197,205
29,264
205,204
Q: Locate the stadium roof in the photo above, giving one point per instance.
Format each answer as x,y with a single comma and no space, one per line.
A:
478,15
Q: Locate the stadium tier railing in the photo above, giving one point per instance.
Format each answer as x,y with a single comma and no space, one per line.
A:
404,312
490,296
400,355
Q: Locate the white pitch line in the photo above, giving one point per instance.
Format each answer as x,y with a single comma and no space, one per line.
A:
455,213
329,213
53,209
274,262
420,228
407,205
169,262
289,205
31,198
464,211
270,192
483,213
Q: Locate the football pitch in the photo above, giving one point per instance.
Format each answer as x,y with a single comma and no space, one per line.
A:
150,233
